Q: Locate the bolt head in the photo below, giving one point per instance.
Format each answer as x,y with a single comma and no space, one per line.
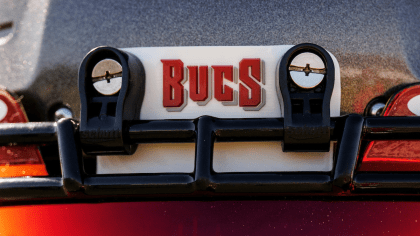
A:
63,112
377,109
307,70
107,77
3,110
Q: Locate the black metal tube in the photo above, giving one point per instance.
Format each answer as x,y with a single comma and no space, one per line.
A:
348,150
30,188
224,130
160,131
271,183
249,129
70,155
204,153
205,130
391,128
387,182
28,133
143,184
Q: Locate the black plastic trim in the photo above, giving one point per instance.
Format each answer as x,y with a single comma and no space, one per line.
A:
305,130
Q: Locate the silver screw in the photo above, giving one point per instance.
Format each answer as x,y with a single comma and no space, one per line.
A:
377,109
107,77
307,70
63,112
3,110
6,32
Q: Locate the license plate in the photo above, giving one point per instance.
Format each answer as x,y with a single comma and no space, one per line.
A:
224,82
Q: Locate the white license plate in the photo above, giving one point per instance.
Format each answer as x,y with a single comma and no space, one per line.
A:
226,93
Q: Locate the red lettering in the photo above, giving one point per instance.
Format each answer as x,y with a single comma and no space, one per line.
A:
244,99
173,90
199,81
251,94
223,92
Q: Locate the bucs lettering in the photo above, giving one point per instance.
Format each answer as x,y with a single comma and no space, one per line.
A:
201,85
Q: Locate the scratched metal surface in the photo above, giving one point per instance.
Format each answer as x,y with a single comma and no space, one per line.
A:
376,42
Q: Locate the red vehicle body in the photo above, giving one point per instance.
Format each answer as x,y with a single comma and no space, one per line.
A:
377,45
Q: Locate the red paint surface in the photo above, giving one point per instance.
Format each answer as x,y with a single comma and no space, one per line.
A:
398,106
214,218
402,155
18,161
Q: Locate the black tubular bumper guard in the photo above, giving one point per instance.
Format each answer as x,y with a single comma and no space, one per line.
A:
348,131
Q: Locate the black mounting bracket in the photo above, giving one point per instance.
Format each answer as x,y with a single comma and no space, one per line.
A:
102,116
306,111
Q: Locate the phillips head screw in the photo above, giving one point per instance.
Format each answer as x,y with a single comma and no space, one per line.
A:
307,70
107,77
